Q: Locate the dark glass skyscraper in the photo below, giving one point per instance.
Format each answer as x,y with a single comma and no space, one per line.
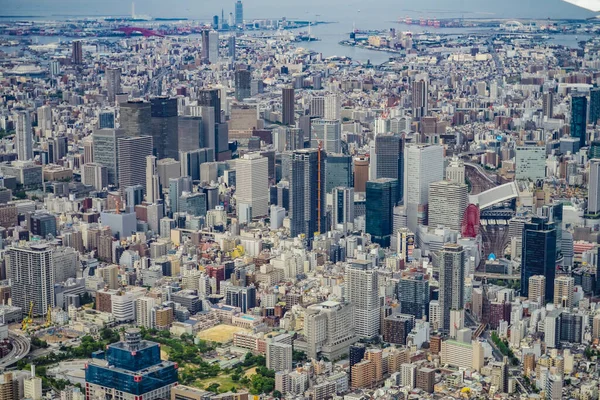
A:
211,98
381,196
130,368
389,160
413,295
135,118
287,114
307,202
239,13
164,127
339,171
594,105
243,78
538,254
579,118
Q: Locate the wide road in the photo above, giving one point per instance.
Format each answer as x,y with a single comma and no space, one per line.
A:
21,347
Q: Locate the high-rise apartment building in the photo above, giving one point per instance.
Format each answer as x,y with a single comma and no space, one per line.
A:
452,274
594,187
24,136
77,52
413,295
548,104
252,175
564,287
537,289
420,95
288,116
363,294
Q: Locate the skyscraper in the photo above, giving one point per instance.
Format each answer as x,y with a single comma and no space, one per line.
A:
538,254
423,165
594,105
252,175
328,133
106,119
447,204
333,107
338,171
288,116
165,128
132,369
579,118
594,187
243,78
381,196
231,48
361,174
420,98
363,294
389,160
537,289
113,83
413,295
548,104
176,188
190,133
205,46
239,13
564,287
211,98
455,171
77,52
95,175
343,208
132,153
191,160
213,47
530,163
152,182
105,151
32,277
44,114
135,118
307,192
452,282
24,136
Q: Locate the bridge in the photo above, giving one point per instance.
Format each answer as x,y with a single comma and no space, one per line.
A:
505,277
21,347
496,195
130,30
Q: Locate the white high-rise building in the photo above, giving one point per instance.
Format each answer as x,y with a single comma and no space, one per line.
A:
333,109
329,329
95,175
455,171
317,106
44,114
594,187
329,133
279,356
152,180
24,136
552,329
447,204
343,208
363,294
423,165
252,177
530,163
408,373
143,312
213,47
564,287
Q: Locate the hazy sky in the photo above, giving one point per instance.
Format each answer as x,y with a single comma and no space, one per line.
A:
334,10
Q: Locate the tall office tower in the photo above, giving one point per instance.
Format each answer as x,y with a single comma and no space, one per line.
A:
132,369
343,208
381,196
530,163
307,192
190,134
252,176
579,118
193,204
413,295
231,47
389,160
191,160
95,175
176,187
57,148
538,254
338,171
288,116
333,107
205,46
594,187
105,151
329,329
239,13
113,83
106,119
164,127
242,78
363,292
328,133
548,104
213,47
317,106
215,22
447,204
423,165
44,115
135,118
76,52
594,106
537,289
243,297
455,171
211,98
152,181
24,136
420,98
361,174
564,287
32,277
132,153
452,281
294,138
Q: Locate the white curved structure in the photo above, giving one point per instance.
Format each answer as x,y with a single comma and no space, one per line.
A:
499,194
592,5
